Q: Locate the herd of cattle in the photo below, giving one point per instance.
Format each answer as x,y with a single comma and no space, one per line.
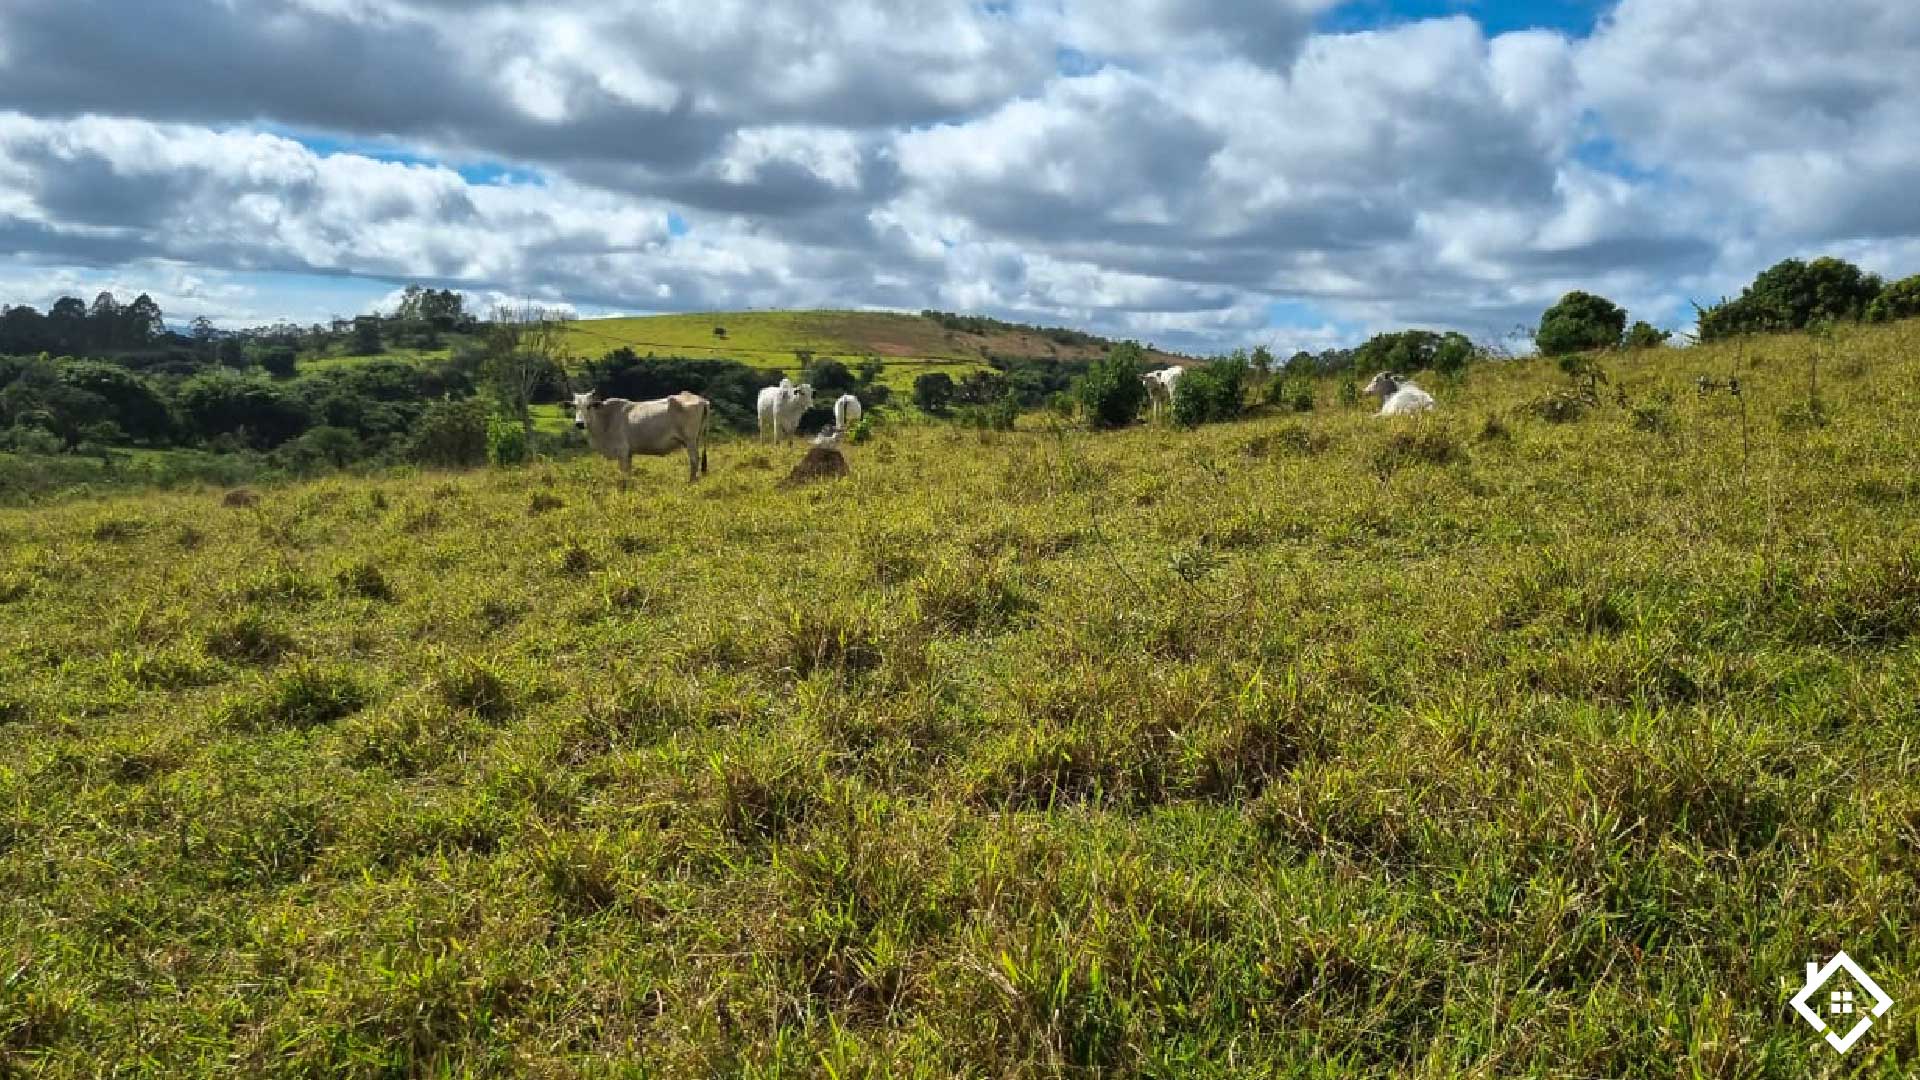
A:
619,428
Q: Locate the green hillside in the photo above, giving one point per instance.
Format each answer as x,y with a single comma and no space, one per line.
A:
1540,736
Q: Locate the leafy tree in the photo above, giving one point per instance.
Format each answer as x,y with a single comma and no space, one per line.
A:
933,392
1644,335
225,403
145,325
831,378
37,398
1792,295
1900,300
323,446
1452,353
1111,393
24,332
523,357
1212,392
1580,321
279,361
128,401
452,434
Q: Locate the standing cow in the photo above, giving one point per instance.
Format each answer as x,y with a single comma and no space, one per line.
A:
846,413
780,408
1160,390
618,428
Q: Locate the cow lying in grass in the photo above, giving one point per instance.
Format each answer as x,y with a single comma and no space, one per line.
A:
1398,395
618,428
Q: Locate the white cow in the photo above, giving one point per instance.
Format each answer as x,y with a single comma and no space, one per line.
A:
1160,386
1398,396
780,408
618,428
846,413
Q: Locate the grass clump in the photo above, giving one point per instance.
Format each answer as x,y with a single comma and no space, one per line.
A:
302,697
250,638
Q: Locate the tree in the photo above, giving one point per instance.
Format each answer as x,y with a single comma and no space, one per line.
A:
452,434
225,403
831,378
523,356
1111,393
1644,335
1453,353
145,325
366,335
38,398
126,399
1580,321
1792,295
1900,300
933,392
279,361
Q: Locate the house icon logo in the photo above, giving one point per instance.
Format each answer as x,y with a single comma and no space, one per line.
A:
1841,1010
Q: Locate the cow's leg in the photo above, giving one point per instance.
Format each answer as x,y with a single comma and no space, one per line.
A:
693,463
626,470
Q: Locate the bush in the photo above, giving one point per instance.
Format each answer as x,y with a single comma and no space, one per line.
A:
253,410
1900,300
998,416
1210,393
1111,393
506,443
862,430
1291,392
322,447
452,434
1580,321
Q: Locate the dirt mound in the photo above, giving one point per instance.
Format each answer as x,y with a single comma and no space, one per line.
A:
820,463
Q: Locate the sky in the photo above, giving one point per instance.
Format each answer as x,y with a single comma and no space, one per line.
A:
1200,174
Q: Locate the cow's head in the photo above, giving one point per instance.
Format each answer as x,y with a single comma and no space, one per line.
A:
804,394
584,404
1383,384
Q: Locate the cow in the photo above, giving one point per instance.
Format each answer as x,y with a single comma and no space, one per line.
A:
618,428
1398,395
846,413
780,408
1160,386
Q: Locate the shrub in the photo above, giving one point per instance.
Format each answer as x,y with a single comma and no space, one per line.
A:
1291,392
1111,393
862,430
452,434
998,416
1210,393
506,443
1580,321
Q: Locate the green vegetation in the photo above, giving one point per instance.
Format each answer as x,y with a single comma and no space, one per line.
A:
1307,745
1580,322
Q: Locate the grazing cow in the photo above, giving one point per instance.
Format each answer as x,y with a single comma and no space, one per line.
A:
846,413
1160,385
780,408
1398,396
618,428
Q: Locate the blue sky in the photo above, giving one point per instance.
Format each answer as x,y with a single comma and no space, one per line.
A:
1204,174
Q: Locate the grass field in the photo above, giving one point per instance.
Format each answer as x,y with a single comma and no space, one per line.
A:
1315,745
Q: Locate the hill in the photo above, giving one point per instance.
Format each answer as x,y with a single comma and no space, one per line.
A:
908,344
1539,736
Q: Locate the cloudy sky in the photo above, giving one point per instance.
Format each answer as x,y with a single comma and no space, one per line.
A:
1198,173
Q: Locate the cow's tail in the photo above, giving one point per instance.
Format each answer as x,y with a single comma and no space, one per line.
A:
706,415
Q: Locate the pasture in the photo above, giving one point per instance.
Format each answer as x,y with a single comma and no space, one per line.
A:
1526,737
